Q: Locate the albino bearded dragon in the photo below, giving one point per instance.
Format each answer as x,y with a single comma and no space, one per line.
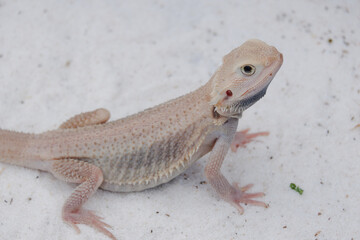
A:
154,146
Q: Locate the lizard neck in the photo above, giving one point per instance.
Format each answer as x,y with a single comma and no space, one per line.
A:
206,91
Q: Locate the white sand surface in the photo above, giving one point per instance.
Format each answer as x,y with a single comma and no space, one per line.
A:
60,58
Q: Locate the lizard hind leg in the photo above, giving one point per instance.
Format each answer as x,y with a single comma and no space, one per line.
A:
90,178
98,116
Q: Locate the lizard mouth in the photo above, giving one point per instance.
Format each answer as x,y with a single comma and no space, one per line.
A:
249,101
236,109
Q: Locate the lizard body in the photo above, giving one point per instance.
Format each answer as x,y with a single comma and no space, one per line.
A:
154,146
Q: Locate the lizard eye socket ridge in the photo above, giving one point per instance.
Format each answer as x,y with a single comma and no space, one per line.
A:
248,69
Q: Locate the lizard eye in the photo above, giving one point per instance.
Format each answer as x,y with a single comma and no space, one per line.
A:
248,69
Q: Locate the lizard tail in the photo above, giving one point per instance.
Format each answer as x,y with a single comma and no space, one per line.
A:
14,148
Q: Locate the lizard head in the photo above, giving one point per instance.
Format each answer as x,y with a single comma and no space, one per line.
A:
243,77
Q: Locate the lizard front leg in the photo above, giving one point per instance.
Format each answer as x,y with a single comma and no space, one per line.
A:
231,193
97,116
242,138
90,178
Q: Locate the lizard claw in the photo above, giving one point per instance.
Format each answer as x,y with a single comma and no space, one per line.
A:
239,195
87,217
242,138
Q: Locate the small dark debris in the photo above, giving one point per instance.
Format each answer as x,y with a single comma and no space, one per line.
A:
68,63
29,199
346,43
196,187
203,182
284,226
319,213
157,212
330,40
317,233
271,157
37,177
167,215
151,231
22,102
11,200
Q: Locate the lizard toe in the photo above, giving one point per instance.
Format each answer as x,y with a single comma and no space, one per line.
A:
239,195
89,218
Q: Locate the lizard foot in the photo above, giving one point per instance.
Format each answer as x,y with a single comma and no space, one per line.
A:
83,216
239,195
90,178
242,138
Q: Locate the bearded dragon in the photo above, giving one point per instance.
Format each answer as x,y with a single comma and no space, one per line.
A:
154,146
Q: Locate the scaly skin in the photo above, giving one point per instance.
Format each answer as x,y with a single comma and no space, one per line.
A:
152,147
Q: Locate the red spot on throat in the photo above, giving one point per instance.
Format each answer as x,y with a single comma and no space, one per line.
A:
229,93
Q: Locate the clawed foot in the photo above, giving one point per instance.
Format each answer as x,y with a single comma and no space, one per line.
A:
242,138
87,217
239,195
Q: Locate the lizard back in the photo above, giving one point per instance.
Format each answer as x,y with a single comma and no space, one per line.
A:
139,151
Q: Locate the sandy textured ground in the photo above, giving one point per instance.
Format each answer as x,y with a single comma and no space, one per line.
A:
59,58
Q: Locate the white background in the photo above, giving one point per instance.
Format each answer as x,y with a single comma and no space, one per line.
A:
60,58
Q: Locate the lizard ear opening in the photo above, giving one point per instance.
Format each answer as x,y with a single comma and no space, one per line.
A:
229,93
